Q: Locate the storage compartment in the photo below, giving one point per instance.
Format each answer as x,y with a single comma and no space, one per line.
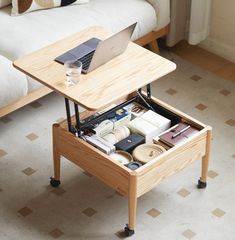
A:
175,119
90,159
161,108
133,183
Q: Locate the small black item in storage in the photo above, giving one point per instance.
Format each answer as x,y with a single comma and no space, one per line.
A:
130,143
134,165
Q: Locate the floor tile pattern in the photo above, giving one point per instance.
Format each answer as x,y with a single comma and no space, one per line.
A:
225,92
2,153
231,122
188,234
89,212
32,136
25,211
153,212
171,91
218,212
56,233
84,208
201,107
196,78
212,174
183,192
28,171
58,191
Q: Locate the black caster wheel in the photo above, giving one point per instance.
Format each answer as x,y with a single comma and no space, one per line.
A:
201,184
54,183
128,232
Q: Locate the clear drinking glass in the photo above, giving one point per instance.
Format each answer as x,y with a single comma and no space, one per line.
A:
73,71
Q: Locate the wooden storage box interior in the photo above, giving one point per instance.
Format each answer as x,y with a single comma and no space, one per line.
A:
117,175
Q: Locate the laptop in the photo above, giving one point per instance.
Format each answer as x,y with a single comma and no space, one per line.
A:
94,52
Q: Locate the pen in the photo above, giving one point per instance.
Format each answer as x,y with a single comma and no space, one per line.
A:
178,133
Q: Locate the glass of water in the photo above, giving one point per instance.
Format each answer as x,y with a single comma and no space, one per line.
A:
73,71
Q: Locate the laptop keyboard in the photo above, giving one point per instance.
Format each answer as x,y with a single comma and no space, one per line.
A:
86,60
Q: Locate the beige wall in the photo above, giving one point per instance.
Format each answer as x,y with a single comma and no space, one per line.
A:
222,29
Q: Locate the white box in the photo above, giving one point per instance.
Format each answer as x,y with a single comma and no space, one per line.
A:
144,128
157,120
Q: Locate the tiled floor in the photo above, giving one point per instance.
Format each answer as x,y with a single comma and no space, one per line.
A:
206,60
85,209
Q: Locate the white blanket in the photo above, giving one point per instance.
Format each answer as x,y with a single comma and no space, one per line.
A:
13,84
162,8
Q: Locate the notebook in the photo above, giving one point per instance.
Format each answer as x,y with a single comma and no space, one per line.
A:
178,134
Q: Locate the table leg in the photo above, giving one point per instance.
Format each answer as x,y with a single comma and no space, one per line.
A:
55,181
205,161
154,46
132,206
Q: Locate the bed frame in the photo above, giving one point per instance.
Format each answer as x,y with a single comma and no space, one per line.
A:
147,40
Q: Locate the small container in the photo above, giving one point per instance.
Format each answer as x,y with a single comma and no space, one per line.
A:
121,133
146,152
122,157
110,137
134,165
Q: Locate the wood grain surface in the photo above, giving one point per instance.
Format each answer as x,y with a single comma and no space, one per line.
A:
92,160
133,69
171,162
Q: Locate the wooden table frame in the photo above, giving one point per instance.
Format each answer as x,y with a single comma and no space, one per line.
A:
131,184
134,69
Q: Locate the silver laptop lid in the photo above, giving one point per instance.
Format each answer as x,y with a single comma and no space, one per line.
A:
111,47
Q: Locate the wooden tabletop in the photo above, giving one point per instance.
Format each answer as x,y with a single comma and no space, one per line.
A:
135,68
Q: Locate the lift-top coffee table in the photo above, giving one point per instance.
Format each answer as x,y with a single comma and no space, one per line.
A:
119,81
